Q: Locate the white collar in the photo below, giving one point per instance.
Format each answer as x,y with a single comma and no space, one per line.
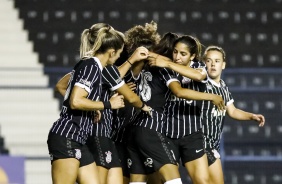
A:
213,82
99,63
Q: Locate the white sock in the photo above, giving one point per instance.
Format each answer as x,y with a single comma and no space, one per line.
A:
137,182
174,181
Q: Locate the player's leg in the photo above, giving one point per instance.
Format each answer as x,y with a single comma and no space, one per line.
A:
123,156
115,175
106,158
159,154
194,158
215,173
88,174
65,171
198,170
155,178
215,167
64,155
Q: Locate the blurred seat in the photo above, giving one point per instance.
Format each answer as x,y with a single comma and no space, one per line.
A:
268,172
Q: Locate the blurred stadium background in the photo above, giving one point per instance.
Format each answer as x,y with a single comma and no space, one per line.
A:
40,42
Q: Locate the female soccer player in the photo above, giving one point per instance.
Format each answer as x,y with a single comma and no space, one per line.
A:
70,157
183,109
212,119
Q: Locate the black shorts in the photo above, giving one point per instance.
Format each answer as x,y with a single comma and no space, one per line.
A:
212,155
190,147
148,151
123,156
61,147
104,151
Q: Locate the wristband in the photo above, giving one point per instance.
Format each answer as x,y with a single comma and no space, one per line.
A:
129,62
107,105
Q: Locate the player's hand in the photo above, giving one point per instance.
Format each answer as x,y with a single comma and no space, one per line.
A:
148,110
97,116
139,54
259,118
158,60
218,102
117,101
131,85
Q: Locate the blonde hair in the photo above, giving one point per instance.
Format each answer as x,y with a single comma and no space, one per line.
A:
99,38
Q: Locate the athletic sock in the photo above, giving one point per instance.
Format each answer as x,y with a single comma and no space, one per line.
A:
174,181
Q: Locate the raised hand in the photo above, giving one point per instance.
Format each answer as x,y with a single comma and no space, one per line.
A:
139,54
158,60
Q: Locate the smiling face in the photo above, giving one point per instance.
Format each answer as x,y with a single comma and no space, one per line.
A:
215,64
182,55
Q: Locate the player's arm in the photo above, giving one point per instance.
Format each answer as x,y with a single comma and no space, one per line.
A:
132,97
162,61
190,94
78,98
62,84
240,115
79,101
139,54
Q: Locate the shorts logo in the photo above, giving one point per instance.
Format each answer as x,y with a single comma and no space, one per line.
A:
215,153
77,154
108,156
149,162
129,163
197,151
51,157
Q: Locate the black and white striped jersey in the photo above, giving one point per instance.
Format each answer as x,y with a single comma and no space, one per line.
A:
110,82
123,117
184,116
212,118
153,90
76,124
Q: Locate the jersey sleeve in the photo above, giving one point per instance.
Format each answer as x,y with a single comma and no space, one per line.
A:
86,75
229,98
168,75
200,65
112,78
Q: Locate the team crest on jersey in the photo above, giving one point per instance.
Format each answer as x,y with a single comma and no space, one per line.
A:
149,162
145,90
209,87
77,154
85,82
108,156
129,163
185,80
